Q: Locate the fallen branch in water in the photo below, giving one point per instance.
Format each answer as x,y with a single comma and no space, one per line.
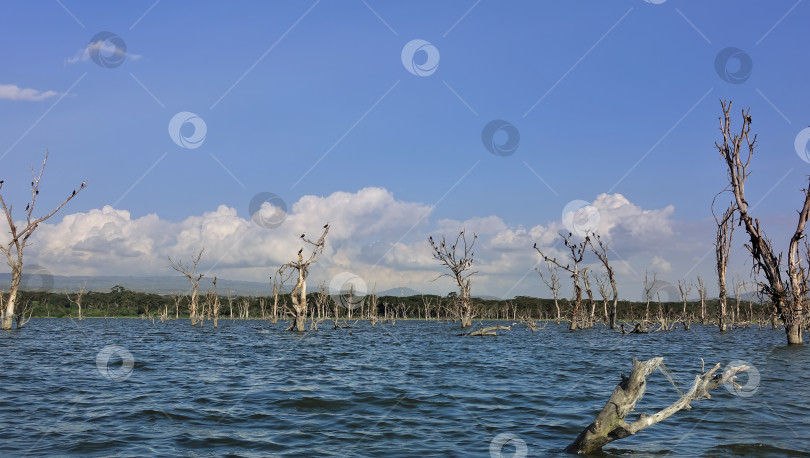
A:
490,331
609,425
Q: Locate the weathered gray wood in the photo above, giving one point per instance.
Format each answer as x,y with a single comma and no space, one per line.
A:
610,424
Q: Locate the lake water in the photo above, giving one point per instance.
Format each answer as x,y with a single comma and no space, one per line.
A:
414,389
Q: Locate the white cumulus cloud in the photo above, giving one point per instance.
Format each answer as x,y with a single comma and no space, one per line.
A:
14,92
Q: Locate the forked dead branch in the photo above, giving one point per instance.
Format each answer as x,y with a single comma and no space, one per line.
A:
301,268
13,249
788,297
459,258
610,424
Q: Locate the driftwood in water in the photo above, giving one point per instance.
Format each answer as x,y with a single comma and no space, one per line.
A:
609,425
638,328
490,331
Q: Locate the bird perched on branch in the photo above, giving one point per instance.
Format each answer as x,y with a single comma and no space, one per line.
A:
302,235
300,251
326,225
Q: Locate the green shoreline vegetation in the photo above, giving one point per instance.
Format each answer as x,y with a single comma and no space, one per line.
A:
122,303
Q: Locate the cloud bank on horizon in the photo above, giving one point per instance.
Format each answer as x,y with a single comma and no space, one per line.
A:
375,236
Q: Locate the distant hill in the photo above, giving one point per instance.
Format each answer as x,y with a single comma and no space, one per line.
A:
157,285
402,291
165,285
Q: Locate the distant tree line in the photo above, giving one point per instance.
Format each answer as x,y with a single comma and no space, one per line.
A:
121,302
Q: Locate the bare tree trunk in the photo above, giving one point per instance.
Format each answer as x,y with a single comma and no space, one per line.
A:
215,305
684,287
459,266
299,292
648,287
190,272
787,297
553,283
587,283
577,254
702,292
601,253
18,242
609,425
725,233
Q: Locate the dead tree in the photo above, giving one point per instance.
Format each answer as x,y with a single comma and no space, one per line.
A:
78,300
177,300
373,304
13,249
787,297
586,275
577,253
244,308
427,304
648,288
685,288
278,285
553,284
602,285
601,253
301,267
215,304
722,249
230,302
190,271
610,425
459,263
702,293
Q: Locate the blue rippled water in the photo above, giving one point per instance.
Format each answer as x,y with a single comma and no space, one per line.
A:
414,389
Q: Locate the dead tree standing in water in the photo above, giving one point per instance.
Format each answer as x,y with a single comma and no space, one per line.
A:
215,304
459,264
787,297
648,288
78,300
601,284
301,267
18,242
702,293
190,272
601,253
685,288
722,249
577,253
553,283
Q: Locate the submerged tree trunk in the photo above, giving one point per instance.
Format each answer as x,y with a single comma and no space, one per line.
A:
11,303
609,425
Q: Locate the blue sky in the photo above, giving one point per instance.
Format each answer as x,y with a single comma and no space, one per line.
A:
308,99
